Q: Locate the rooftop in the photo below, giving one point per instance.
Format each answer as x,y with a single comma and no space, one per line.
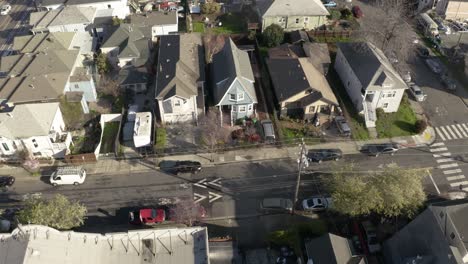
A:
65,16
291,8
153,19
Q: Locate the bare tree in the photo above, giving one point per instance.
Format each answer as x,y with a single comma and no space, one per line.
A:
109,86
385,24
187,212
211,132
213,44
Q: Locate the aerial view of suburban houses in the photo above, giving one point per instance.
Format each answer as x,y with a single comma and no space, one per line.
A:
228,131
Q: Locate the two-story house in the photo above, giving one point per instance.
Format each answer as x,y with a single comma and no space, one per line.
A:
292,15
67,19
105,8
369,79
180,78
154,24
38,128
233,83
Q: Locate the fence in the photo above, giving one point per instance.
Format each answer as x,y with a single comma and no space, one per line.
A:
79,159
329,34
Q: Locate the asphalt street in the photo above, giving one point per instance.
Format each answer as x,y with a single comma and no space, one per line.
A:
15,23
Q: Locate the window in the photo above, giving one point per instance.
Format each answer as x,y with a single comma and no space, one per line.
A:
250,107
311,109
35,143
282,19
297,20
232,97
77,86
109,6
5,146
452,235
306,19
385,105
234,108
240,96
242,108
177,103
14,145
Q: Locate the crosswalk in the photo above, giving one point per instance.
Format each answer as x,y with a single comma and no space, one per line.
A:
451,132
449,166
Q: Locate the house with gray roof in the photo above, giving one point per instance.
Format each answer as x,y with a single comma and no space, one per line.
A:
292,15
154,24
81,41
37,127
300,89
233,83
332,249
104,8
436,236
126,45
180,78
369,79
67,19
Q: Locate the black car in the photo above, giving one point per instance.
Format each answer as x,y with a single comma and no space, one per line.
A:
422,51
6,181
377,149
184,166
319,155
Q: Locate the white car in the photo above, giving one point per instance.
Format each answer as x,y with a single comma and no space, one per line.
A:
317,203
416,92
5,10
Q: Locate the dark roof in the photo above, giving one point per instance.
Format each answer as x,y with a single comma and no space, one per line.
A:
318,53
331,249
298,36
286,50
287,77
133,75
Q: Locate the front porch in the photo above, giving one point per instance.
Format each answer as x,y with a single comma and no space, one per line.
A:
230,113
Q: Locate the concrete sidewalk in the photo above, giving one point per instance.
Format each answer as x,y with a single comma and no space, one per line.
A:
112,166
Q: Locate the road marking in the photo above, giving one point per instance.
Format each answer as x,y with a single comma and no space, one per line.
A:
462,130
215,182
438,149
453,178
444,160
459,183
446,133
446,166
200,183
452,171
198,197
213,196
451,132
456,130
438,144
440,134
465,127
442,155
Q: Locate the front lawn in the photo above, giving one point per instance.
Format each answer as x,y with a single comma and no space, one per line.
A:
72,113
161,139
108,137
401,123
231,23
198,27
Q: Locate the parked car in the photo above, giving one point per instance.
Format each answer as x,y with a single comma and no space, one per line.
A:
416,92
316,203
448,82
422,51
357,12
329,4
377,149
319,155
370,235
147,216
180,166
276,205
6,181
68,175
342,126
5,10
434,66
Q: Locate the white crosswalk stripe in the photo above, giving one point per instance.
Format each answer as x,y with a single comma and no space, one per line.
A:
451,132
459,183
438,149
438,144
446,166
442,155
452,171
445,160
445,133
454,178
454,127
462,130
440,134
465,127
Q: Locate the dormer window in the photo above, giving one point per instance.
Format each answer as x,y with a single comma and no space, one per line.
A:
232,97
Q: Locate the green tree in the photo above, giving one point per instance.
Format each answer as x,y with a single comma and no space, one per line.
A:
334,14
58,212
273,35
210,8
102,63
117,21
391,191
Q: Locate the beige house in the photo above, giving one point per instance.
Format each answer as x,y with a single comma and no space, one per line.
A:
301,89
292,15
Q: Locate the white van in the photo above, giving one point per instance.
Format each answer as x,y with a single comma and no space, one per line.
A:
428,26
68,175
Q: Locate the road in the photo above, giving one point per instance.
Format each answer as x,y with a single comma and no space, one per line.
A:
14,24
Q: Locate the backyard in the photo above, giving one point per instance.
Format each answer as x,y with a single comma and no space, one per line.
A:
111,129
72,113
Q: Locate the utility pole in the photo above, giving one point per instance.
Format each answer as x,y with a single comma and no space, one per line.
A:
302,163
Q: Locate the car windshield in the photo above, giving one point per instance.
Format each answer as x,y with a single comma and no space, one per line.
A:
417,92
154,213
373,240
310,202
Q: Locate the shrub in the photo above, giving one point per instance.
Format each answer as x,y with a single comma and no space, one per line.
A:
420,125
334,15
273,35
210,8
346,13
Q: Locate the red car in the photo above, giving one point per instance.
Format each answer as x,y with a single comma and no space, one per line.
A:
357,12
147,216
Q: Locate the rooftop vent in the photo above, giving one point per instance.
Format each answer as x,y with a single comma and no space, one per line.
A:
167,76
168,60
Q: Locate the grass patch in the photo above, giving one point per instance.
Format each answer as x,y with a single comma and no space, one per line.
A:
108,137
198,27
72,113
161,138
231,23
400,123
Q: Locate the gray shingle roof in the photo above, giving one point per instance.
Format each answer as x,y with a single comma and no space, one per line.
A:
331,249
65,16
291,8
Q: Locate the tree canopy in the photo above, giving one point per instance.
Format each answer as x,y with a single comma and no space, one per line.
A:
58,212
273,35
391,191
210,8
102,63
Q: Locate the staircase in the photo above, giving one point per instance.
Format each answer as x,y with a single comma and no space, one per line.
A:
370,114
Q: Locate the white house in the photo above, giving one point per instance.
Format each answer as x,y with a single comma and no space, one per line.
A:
38,128
157,23
105,8
67,19
369,78
142,129
180,78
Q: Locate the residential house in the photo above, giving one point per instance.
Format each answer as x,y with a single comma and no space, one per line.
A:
300,89
319,55
286,51
127,46
67,19
332,249
436,236
233,83
32,244
105,8
134,79
292,15
369,79
180,78
154,24
38,128
452,9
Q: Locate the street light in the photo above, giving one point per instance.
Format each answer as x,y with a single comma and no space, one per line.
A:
302,163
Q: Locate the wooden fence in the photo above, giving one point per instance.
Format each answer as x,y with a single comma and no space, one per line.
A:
79,159
329,34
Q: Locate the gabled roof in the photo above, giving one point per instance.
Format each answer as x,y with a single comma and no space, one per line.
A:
153,19
28,120
367,61
43,42
291,8
318,53
331,249
230,64
132,75
180,66
65,16
287,51
131,41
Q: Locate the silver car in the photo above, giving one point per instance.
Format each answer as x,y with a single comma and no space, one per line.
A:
416,92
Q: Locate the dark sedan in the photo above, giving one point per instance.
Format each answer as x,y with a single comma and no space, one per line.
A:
319,155
377,149
184,166
6,181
